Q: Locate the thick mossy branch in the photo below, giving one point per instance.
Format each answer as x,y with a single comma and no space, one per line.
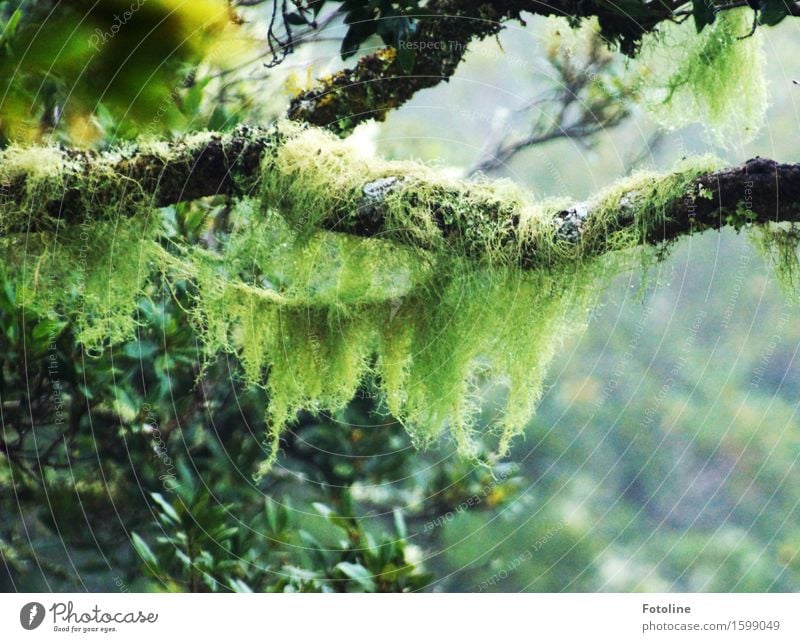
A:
322,182
437,287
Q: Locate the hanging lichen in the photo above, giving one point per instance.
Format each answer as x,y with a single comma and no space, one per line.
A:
779,244
312,314
715,78
93,271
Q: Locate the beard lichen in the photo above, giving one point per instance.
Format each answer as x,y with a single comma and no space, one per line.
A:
313,314
715,78
778,243
93,271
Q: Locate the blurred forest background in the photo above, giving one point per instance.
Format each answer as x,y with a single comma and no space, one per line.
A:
663,457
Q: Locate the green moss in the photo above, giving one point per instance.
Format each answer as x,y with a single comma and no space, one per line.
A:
779,243
313,314
715,78
92,271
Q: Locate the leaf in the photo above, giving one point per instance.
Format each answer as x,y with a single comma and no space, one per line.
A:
406,58
356,34
46,329
316,6
296,19
313,549
183,558
144,551
273,518
239,586
124,405
196,216
703,13
389,27
192,100
400,523
358,574
223,534
331,515
140,350
772,12
323,509
299,573
167,509
10,27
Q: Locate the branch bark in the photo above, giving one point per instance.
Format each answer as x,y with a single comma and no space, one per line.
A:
758,192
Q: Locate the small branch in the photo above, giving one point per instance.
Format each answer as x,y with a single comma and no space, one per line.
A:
570,109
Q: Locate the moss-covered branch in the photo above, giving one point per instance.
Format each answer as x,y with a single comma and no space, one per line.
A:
43,187
434,302
381,82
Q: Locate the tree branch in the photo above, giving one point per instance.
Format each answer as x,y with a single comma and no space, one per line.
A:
379,83
578,106
758,192
159,175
